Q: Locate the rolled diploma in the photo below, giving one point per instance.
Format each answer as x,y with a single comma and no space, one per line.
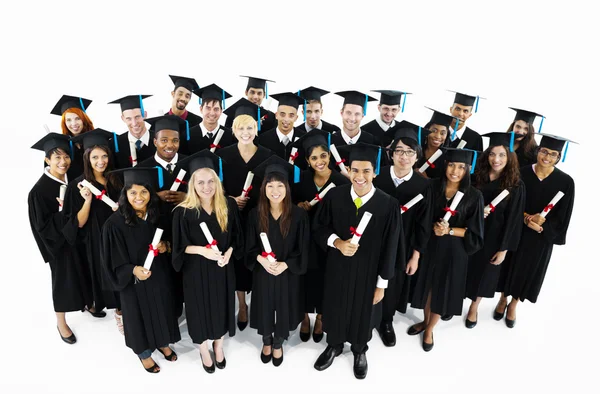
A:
133,154
361,227
322,194
556,199
176,184
47,128
338,159
208,236
97,192
217,140
267,246
497,200
412,202
61,195
433,158
292,153
155,241
248,182
461,144
457,197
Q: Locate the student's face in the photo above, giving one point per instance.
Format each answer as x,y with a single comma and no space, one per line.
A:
167,144
98,160
313,114
59,162
74,123
438,136
286,116
498,158
406,160
204,184
319,159
352,115
255,95
275,191
362,174
245,134
181,98
388,112
139,197
455,171
521,128
134,119
211,112
547,157
462,112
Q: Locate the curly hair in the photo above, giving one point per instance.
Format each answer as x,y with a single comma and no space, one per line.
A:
87,122
510,175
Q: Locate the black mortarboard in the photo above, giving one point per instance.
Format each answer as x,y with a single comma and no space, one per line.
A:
53,141
362,152
312,138
203,159
312,93
188,83
357,98
501,139
440,118
131,102
406,129
524,115
167,122
467,156
244,107
212,92
277,164
465,99
152,176
93,138
67,102
257,83
289,99
391,97
554,142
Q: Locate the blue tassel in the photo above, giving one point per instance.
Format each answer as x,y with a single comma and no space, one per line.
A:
220,169
266,90
541,123
71,149
565,152
512,141
81,103
223,97
116,142
187,130
377,167
453,136
476,104
403,102
160,177
328,140
365,108
259,118
142,106
474,161
296,174
199,100
419,135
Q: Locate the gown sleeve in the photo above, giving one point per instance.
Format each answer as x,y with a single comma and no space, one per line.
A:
513,219
71,206
423,219
394,252
297,259
252,247
47,224
558,219
115,256
473,240
321,225
237,233
180,239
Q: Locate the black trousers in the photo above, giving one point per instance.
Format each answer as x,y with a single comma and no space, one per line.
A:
276,342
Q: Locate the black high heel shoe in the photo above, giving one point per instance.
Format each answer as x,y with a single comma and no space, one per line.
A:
317,336
427,346
305,336
153,369
242,324
469,323
220,365
265,358
97,314
70,339
170,357
498,316
415,331
210,369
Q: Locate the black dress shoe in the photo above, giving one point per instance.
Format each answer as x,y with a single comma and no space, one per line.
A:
264,358
447,317
387,334
510,323
469,323
317,337
97,314
220,365
277,361
210,369
498,316
326,358
415,331
305,336
427,346
360,365
70,340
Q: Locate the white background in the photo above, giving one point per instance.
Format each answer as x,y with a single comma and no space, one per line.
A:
538,56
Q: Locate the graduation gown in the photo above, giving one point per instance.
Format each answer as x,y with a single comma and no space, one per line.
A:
270,140
443,269
523,158
209,290
433,171
529,263
70,287
376,131
268,120
473,139
198,142
326,126
277,301
148,317
338,140
235,170
306,190
502,231
348,311
88,239
122,155
416,226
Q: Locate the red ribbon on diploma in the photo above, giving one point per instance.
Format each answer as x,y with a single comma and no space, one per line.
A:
215,146
430,164
131,160
353,232
337,163
213,243
548,207
265,254
492,207
180,181
247,191
153,250
99,196
318,198
294,156
450,210
403,208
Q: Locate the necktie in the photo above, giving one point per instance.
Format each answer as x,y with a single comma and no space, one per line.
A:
209,135
358,203
170,168
285,140
138,144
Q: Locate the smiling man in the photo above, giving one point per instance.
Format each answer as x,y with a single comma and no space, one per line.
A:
388,107
313,110
462,109
353,110
181,96
256,92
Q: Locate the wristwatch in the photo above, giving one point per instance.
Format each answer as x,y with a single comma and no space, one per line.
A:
451,232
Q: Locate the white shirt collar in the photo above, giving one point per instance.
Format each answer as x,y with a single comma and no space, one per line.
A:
145,138
164,163
398,181
47,172
353,140
206,131
459,133
308,128
364,198
382,124
280,135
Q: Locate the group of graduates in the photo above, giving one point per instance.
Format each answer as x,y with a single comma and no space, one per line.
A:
353,223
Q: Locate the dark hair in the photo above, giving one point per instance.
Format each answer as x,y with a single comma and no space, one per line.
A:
264,205
209,101
446,140
509,177
464,184
308,152
412,144
88,171
537,151
315,101
528,144
57,151
128,212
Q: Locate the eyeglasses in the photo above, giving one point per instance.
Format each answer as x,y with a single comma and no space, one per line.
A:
544,152
408,153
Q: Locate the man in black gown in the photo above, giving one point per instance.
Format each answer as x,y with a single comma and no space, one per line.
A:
256,91
182,94
462,108
353,111
388,107
313,110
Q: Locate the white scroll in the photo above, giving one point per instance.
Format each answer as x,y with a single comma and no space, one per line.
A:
267,247
361,228
152,251
321,194
293,155
436,155
457,197
338,159
247,184
61,196
97,193
132,154
409,204
215,143
178,180
491,207
551,204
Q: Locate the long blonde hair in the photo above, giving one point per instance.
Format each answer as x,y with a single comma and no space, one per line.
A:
218,203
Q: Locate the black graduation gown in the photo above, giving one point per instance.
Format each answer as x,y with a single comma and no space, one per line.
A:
338,140
88,239
70,287
326,126
277,301
350,282
416,225
198,142
193,119
436,170
270,140
123,155
473,139
529,263
376,131
268,120
235,170
523,158
209,290
502,229
149,320
443,269
306,190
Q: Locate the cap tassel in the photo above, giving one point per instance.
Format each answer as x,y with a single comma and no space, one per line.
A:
142,106
476,104
512,141
116,142
455,130
81,103
71,149
328,140
419,135
541,123
187,130
160,177
266,90
304,110
474,162
259,118
365,107
378,165
565,152
223,97
296,174
403,102
199,100
220,170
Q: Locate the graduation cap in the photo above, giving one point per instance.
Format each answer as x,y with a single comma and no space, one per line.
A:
406,129
467,156
289,99
169,122
53,141
131,102
93,138
212,92
257,83
312,93
185,82
392,97
440,118
527,116
362,152
501,139
555,142
244,107
314,137
357,98
152,176
467,100
67,102
203,159
280,166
